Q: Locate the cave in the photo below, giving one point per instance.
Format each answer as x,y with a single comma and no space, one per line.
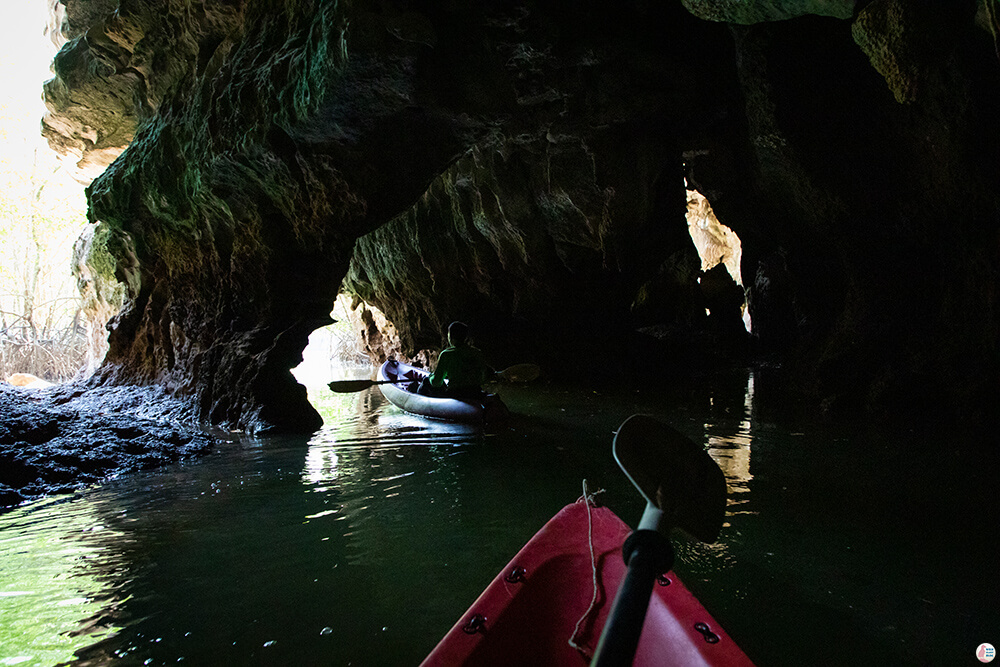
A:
522,166
549,173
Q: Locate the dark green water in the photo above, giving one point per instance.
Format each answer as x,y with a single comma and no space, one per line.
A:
363,544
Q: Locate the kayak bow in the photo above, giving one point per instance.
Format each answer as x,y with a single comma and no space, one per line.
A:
549,595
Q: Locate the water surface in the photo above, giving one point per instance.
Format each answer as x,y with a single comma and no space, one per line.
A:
363,544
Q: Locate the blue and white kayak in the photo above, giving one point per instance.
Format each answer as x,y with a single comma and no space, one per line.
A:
399,382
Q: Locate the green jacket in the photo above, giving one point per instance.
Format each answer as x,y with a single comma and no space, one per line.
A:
462,366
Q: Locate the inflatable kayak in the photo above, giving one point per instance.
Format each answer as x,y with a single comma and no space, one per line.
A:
549,605
403,394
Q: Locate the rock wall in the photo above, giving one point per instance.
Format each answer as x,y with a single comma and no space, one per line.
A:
232,215
521,165
873,225
541,235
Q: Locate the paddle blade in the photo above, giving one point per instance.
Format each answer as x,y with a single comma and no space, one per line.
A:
674,474
350,386
519,373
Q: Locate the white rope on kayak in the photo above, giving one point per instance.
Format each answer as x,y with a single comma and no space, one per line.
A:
588,499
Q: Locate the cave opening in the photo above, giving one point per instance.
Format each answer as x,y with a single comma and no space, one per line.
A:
338,350
717,245
360,337
43,329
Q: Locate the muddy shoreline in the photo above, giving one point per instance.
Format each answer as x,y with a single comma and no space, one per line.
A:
65,438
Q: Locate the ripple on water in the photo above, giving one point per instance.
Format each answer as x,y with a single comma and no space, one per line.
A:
50,594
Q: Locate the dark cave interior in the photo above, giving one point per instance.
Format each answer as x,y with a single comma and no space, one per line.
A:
522,166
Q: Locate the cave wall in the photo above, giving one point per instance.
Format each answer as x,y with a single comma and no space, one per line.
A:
527,242
542,235
868,206
520,165
571,199
858,164
232,214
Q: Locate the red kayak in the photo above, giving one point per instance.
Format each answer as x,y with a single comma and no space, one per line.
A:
548,596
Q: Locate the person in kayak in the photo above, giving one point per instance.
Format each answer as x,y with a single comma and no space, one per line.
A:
460,371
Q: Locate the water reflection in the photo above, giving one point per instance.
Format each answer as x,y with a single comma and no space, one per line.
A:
321,467
731,450
51,592
365,434
379,471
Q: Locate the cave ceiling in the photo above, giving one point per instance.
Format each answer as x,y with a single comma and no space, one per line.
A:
522,165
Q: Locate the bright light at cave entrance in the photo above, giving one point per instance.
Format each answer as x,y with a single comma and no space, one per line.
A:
716,243
42,210
334,352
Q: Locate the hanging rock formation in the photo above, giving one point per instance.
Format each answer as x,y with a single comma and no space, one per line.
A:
521,165
747,13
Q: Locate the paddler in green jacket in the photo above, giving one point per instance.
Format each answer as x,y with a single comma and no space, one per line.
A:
460,371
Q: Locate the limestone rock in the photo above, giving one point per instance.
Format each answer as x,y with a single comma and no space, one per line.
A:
746,13
905,40
119,63
103,294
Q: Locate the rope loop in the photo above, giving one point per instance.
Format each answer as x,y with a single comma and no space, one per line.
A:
589,499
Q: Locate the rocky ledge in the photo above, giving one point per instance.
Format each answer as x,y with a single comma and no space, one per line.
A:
60,440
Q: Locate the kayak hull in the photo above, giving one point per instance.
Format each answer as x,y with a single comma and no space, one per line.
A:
532,609
404,396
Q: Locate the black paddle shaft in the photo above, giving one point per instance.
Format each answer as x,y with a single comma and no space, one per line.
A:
648,554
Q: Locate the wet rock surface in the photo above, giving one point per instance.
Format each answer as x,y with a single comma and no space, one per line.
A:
54,441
